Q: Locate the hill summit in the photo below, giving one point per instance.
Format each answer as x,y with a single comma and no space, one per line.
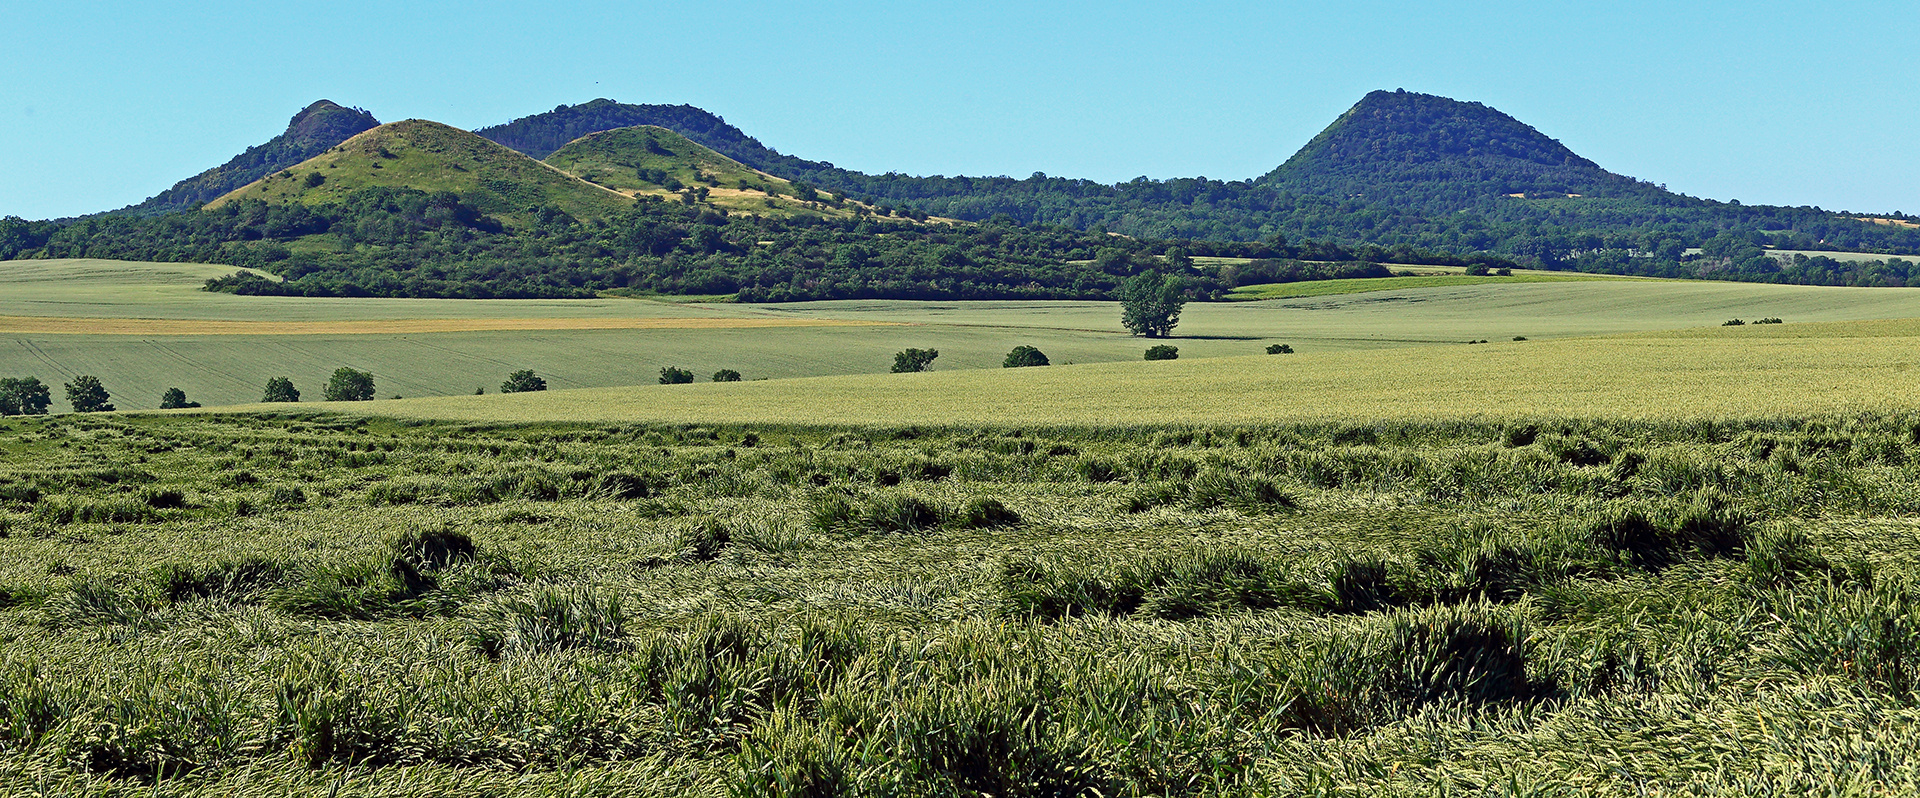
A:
318,127
1407,148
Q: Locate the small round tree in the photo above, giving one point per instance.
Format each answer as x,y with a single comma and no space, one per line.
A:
280,389
726,375
913,360
1163,352
175,399
1279,349
1023,356
349,385
523,381
87,395
674,375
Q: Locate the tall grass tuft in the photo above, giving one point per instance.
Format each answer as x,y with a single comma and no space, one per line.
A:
551,620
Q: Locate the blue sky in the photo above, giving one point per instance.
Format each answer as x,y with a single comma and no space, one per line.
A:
1797,103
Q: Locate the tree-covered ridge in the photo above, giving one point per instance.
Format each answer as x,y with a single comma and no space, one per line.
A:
540,135
314,130
1399,169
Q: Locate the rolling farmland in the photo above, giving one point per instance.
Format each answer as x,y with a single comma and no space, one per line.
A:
134,326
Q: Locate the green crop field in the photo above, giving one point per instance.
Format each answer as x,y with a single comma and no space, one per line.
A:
44,305
311,604
1748,372
1639,553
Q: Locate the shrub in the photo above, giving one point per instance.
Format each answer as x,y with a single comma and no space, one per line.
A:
349,385
674,375
913,360
1023,356
1478,270
1519,338
1769,320
280,389
1732,323
726,375
175,399
523,381
1279,349
1163,352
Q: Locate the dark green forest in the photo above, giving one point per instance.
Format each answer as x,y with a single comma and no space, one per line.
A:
408,243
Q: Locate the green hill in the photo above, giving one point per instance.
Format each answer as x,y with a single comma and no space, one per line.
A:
316,129
429,156
1405,148
649,159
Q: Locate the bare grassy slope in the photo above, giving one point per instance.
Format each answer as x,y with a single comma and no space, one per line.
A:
430,156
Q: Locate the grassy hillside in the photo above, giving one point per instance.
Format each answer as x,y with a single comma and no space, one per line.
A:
429,156
658,161
315,605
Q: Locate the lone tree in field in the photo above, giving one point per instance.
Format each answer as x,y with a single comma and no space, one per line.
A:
675,375
1150,303
913,360
726,375
1163,352
349,385
1279,349
24,396
280,389
87,395
523,381
1022,356
175,399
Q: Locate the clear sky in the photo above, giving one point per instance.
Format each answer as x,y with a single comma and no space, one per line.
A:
103,104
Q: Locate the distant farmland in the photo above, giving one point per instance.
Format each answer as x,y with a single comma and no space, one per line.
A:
143,328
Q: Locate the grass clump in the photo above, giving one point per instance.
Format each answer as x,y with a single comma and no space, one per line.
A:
552,620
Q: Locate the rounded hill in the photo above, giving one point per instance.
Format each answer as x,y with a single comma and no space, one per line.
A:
429,156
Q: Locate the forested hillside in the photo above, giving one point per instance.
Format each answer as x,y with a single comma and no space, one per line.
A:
1398,169
315,129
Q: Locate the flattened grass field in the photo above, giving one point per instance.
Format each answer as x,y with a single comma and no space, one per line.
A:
311,604
1638,553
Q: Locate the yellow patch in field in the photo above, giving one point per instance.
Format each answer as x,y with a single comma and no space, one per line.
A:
78,326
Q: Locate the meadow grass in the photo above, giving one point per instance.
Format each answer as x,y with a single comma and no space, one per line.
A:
318,604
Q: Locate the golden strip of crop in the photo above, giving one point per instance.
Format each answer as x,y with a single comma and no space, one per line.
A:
83,326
